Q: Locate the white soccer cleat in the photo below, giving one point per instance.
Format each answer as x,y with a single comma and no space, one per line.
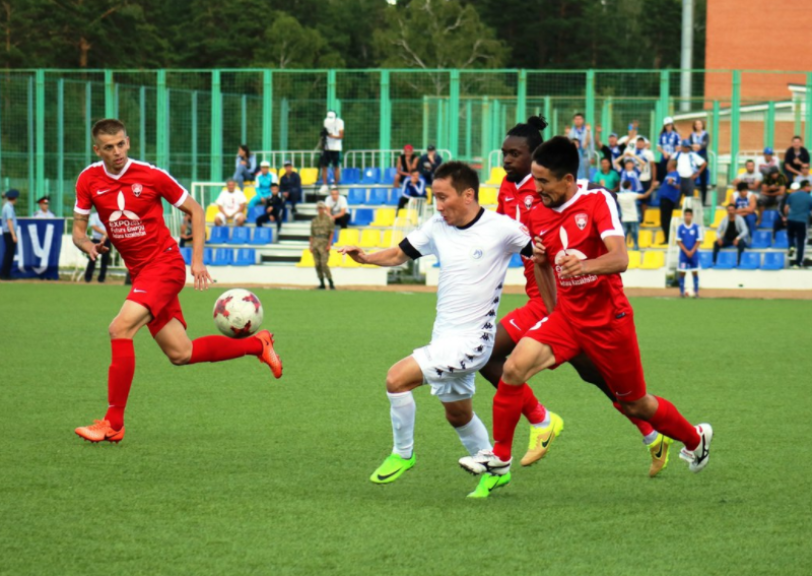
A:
485,461
698,458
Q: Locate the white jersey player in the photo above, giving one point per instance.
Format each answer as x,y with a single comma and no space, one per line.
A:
474,247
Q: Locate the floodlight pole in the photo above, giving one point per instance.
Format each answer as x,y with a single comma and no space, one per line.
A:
686,60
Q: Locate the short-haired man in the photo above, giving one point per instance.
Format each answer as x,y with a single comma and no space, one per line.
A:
606,177
333,141
794,158
689,166
337,208
773,190
231,203
98,235
262,183
750,176
290,186
322,229
797,209
745,202
274,209
732,231
428,163
689,238
475,246
9,227
766,161
44,211
804,175
413,187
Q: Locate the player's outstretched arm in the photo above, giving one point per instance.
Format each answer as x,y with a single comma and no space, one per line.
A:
198,269
389,257
615,261
80,239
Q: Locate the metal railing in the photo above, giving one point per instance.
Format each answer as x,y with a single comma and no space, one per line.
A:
364,159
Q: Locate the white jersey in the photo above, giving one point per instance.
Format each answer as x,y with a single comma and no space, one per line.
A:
473,263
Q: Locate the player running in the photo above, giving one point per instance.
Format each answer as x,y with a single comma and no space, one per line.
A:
517,197
127,195
474,247
689,238
580,231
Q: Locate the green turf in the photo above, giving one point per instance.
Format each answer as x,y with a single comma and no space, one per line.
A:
225,471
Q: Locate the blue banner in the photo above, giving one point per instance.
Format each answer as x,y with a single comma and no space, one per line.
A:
39,241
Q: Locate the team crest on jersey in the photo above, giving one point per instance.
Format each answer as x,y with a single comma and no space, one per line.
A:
476,253
528,201
137,188
580,220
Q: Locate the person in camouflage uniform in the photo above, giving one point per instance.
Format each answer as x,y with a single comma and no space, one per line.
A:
321,239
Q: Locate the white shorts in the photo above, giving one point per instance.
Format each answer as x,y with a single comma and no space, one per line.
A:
450,364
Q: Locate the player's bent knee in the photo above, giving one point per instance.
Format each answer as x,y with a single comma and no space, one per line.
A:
644,408
514,372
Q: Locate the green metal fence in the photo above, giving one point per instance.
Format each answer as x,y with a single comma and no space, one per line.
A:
191,121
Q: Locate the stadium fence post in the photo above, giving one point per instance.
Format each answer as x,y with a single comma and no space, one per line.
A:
486,129
548,107
590,100
454,113
88,116
216,128
60,146
331,90
384,122
267,110
40,129
714,135
469,129
769,125
161,121
665,92
735,114
521,97
808,117
109,95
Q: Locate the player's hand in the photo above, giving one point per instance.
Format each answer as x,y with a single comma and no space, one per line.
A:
93,250
571,267
735,241
355,253
539,251
201,276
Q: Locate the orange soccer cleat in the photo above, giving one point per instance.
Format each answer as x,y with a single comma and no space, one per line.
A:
99,431
268,355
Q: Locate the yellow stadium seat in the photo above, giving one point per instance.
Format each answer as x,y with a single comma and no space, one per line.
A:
488,196
309,176
406,217
370,238
729,196
659,238
391,238
428,195
348,237
644,239
708,240
741,171
653,260
634,259
720,215
306,260
211,211
335,260
249,192
652,217
384,217
350,263
497,174
677,214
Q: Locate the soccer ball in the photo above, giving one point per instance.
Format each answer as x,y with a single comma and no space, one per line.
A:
238,313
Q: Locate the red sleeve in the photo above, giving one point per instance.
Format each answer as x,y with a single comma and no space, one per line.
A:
169,188
606,216
500,201
83,195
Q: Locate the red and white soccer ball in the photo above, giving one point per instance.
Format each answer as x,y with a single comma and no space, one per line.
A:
238,313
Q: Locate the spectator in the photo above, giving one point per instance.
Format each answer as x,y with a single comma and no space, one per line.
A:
185,230
98,235
9,227
644,159
797,209
629,216
781,221
583,161
413,187
667,145
700,140
804,175
428,164
731,232
274,209
333,137
745,202
406,163
582,132
263,183
290,185
321,239
773,190
611,151
690,165
338,208
767,161
607,178
630,173
246,165
669,195
689,238
750,176
794,158
43,211
232,205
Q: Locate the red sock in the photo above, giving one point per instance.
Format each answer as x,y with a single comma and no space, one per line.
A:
668,421
119,381
507,410
644,427
219,348
533,410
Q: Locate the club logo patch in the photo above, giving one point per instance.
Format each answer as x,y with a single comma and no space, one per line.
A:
581,220
137,188
528,201
476,253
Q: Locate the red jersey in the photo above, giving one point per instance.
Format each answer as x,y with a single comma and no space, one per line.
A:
516,200
129,205
579,227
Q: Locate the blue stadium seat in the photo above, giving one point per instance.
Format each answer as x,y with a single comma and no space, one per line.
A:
768,219
186,252
394,197
773,261
219,235
357,196
207,256
350,175
262,235
389,175
750,261
223,257
246,257
240,235
362,216
705,260
761,239
255,213
335,235
516,261
726,260
371,176
377,196
781,240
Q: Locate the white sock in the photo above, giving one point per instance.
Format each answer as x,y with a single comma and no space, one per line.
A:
649,439
544,423
402,412
474,436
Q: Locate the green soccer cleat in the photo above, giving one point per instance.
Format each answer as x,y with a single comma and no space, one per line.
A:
659,450
392,469
488,483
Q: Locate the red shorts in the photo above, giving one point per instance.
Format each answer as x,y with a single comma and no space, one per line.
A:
156,287
518,322
612,348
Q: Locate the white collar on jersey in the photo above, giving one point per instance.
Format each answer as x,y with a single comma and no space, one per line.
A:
120,174
523,182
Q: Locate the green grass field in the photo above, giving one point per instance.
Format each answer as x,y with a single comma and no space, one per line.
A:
226,471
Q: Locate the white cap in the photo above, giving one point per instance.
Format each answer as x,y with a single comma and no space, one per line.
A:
264,164
668,120
795,186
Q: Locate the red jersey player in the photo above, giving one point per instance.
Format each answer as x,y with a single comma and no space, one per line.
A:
517,198
579,230
128,195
